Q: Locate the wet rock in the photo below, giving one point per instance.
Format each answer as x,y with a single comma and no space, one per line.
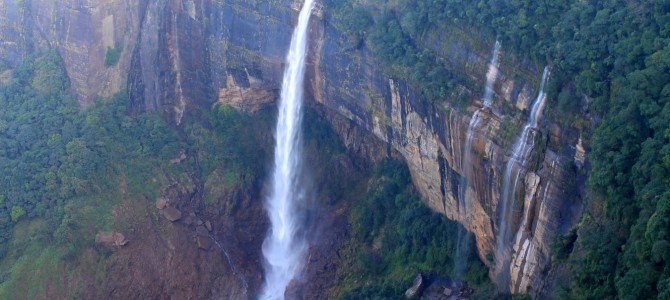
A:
417,287
111,238
171,214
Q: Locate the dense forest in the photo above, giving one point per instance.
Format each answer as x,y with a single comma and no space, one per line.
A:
65,168
395,235
615,54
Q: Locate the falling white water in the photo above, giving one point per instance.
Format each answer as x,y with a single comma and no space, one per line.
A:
491,75
462,244
283,248
181,104
510,182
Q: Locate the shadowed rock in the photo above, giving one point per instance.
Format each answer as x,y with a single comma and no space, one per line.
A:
172,214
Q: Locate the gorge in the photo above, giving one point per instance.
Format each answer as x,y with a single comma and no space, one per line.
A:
151,122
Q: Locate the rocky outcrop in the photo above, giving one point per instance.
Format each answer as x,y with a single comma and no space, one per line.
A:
179,55
81,31
161,203
247,94
172,214
417,287
111,238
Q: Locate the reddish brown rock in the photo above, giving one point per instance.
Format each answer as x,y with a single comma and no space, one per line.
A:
161,203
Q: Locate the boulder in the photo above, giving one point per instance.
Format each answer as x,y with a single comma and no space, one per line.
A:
180,158
208,225
204,242
172,214
161,203
417,288
111,238
201,231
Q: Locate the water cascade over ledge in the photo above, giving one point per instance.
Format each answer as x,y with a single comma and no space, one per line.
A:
463,239
284,248
513,168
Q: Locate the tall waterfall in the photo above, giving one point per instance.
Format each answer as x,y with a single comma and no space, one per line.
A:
463,239
284,248
515,164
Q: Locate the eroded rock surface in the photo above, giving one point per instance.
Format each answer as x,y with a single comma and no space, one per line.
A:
179,55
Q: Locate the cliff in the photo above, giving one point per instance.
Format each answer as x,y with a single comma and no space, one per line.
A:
179,56
431,139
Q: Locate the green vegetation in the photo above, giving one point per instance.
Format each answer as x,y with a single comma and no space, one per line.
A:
617,53
395,235
387,36
65,171
113,54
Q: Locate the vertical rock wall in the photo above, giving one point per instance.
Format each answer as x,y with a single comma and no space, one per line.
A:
181,55
431,138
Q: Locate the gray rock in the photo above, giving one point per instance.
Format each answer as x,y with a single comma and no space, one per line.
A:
417,287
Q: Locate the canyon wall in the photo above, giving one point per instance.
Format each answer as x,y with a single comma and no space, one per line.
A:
181,56
431,139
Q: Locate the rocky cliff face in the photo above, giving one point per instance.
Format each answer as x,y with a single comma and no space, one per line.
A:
180,55
431,139
81,31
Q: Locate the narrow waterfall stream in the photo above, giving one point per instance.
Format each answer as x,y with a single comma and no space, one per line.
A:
284,249
463,239
513,169
245,285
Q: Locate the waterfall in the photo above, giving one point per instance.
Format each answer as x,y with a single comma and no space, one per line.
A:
284,249
515,164
245,285
463,238
491,75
